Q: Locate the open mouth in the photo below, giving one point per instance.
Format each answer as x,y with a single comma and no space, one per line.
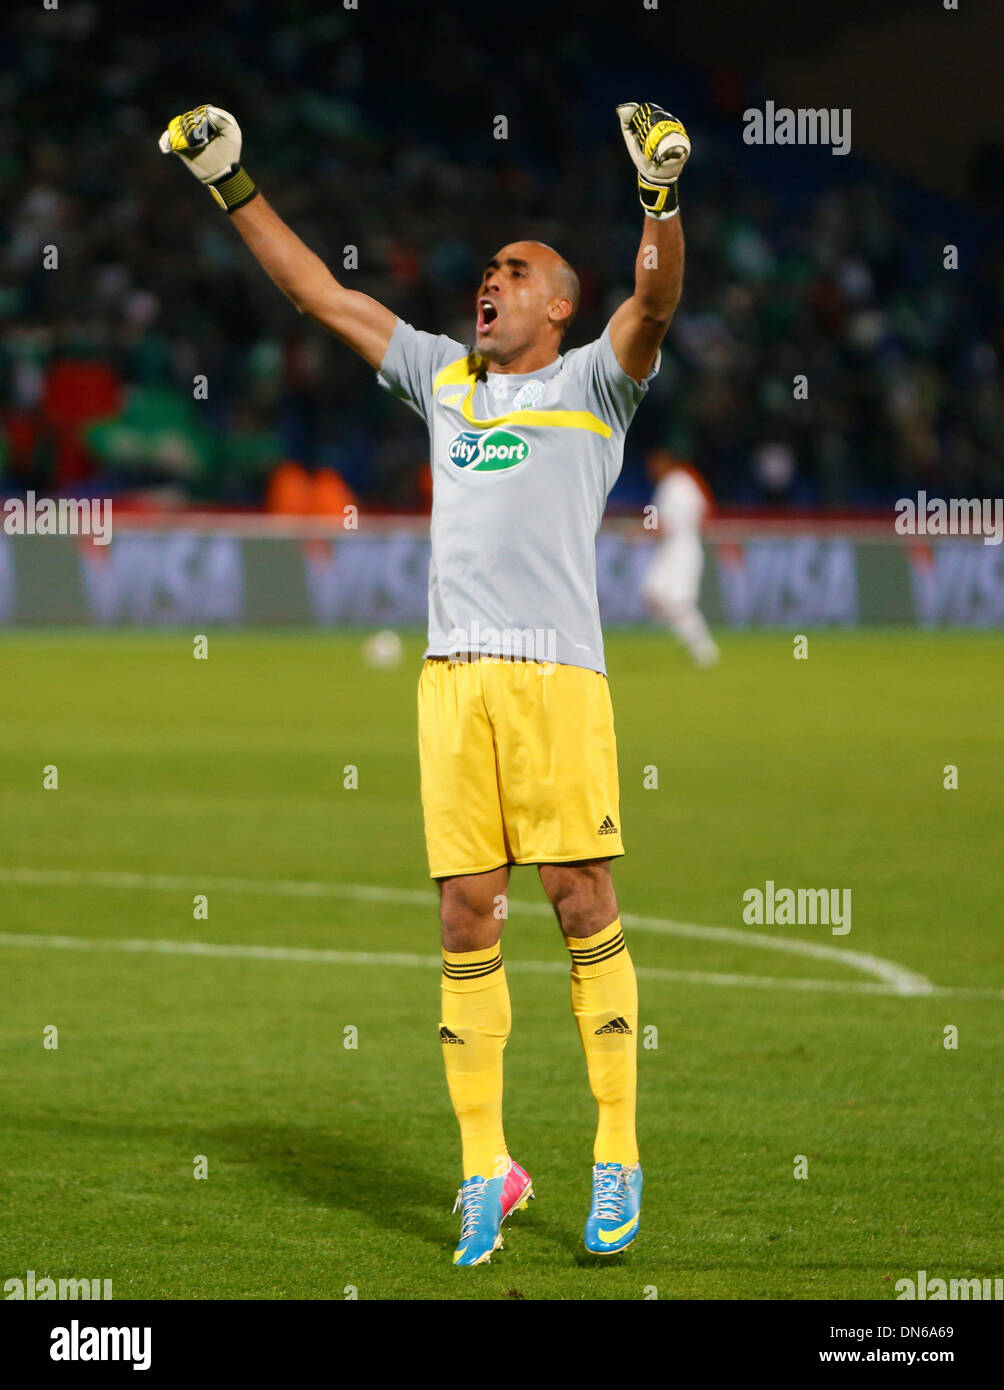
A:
487,314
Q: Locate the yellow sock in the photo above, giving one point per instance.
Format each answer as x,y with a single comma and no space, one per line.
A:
474,1031
605,1005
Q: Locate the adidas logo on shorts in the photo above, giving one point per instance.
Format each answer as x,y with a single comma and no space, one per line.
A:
607,827
616,1025
447,1037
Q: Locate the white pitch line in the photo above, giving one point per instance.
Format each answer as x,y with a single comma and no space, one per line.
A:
902,980
320,956
316,955
891,978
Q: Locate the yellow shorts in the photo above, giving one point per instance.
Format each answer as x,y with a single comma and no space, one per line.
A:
519,765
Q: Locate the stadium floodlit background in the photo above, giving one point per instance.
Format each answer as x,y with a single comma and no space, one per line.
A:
218,1029
798,260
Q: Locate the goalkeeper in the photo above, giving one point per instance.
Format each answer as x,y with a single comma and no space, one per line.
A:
516,734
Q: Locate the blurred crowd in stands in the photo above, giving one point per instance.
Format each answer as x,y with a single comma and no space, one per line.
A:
153,355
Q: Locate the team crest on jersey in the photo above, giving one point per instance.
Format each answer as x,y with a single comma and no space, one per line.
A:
488,453
528,395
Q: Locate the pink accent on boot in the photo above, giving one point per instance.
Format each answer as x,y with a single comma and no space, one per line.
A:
516,1190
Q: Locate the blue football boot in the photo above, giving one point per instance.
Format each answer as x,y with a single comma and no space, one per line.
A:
486,1203
615,1216
480,1199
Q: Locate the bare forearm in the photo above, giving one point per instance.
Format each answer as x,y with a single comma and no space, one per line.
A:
289,262
639,325
361,322
658,271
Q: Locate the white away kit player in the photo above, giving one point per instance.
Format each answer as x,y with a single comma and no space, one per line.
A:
673,579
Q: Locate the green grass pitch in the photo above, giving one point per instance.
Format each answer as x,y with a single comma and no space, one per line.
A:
333,1168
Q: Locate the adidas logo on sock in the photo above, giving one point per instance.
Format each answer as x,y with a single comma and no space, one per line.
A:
447,1037
616,1025
607,827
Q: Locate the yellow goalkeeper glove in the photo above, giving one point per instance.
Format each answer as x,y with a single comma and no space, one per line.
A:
659,147
208,139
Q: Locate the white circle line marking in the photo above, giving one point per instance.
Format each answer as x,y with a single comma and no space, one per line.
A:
895,979
320,956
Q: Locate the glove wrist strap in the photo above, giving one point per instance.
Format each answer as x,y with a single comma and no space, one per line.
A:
660,200
234,189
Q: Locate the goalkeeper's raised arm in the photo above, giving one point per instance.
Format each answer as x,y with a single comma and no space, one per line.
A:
659,148
208,140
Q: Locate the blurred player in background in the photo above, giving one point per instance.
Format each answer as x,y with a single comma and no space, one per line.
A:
517,747
672,581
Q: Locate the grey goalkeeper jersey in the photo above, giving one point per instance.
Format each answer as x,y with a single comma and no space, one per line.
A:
522,466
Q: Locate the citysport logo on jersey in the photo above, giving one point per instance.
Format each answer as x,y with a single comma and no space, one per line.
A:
488,453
